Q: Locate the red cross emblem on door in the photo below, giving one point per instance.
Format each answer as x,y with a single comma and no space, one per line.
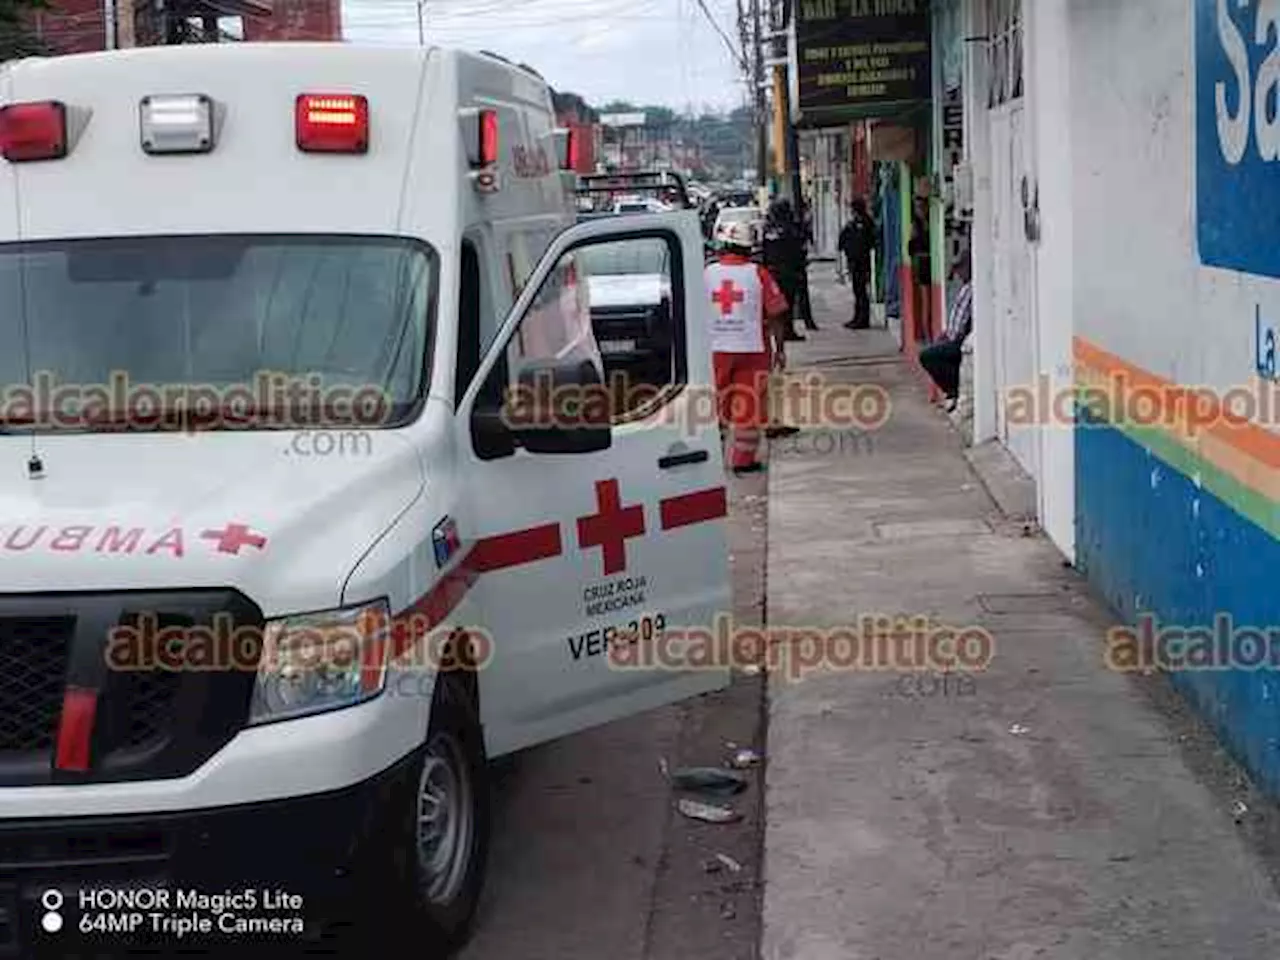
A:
726,296
611,526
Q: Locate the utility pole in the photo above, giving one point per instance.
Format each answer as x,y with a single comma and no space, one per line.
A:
792,143
422,23
757,83
109,21
126,18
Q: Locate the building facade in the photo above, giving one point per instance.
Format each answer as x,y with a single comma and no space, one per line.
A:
1127,297
297,20
576,115
73,26
79,26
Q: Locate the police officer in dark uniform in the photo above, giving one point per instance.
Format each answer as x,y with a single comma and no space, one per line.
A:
784,256
857,243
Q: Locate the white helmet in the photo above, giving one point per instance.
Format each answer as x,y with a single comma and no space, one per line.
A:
739,233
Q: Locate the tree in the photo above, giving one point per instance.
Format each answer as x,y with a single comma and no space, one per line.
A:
17,39
656,116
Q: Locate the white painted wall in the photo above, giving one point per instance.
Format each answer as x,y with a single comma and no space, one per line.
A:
1111,104
978,153
1132,159
1140,290
1039,342
1048,80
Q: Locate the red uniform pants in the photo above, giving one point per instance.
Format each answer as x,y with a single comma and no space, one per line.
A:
742,382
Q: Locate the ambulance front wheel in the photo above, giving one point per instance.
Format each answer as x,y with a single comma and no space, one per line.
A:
450,834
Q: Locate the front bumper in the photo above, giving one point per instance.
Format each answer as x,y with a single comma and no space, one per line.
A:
326,860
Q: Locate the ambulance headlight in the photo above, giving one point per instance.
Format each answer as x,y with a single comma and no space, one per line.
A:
317,662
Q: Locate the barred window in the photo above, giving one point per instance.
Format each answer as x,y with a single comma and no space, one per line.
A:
1005,57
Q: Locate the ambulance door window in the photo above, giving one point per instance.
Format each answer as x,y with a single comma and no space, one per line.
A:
471,311
556,329
637,320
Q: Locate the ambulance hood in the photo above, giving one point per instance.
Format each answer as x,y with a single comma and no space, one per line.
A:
282,516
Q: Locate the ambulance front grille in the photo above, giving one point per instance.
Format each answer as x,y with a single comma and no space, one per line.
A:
33,667
143,700
155,716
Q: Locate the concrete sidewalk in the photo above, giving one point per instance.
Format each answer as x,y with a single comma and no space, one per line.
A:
1043,808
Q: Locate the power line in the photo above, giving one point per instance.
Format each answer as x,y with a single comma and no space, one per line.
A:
474,20
738,57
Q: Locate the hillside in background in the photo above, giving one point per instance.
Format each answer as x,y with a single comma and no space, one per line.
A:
724,140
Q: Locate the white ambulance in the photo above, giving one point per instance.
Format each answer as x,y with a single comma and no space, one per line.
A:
279,570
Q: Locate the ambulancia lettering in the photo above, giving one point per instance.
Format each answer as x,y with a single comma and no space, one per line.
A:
126,540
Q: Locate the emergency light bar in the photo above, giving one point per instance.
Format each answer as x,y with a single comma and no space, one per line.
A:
488,137
33,131
176,123
332,123
480,134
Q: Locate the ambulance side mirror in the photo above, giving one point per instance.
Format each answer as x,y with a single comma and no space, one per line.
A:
556,408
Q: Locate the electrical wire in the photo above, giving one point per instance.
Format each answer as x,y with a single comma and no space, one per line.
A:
474,23
739,58
549,11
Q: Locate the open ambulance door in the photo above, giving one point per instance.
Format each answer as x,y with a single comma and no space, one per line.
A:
597,512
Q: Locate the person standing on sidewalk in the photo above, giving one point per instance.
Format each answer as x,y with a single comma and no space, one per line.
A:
784,254
857,241
748,316
921,270
805,307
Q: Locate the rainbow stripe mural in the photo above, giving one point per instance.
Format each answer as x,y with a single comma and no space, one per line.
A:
1178,519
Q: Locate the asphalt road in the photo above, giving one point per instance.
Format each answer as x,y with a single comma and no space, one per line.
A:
590,858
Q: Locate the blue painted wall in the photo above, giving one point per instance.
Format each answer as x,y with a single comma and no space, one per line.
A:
1146,546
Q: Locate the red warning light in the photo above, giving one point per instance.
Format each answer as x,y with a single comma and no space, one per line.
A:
332,123
33,131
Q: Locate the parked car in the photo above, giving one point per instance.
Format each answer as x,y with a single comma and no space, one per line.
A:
640,205
629,284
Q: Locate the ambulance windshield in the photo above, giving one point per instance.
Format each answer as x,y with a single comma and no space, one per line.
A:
238,331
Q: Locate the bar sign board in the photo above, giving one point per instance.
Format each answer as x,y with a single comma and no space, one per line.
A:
861,56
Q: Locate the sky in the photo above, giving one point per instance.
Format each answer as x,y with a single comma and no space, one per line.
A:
643,51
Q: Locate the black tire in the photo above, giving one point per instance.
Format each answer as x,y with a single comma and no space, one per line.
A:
445,892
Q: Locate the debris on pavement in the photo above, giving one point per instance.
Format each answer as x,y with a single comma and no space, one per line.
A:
744,758
728,911
721,861
1019,730
712,781
1238,810
708,812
